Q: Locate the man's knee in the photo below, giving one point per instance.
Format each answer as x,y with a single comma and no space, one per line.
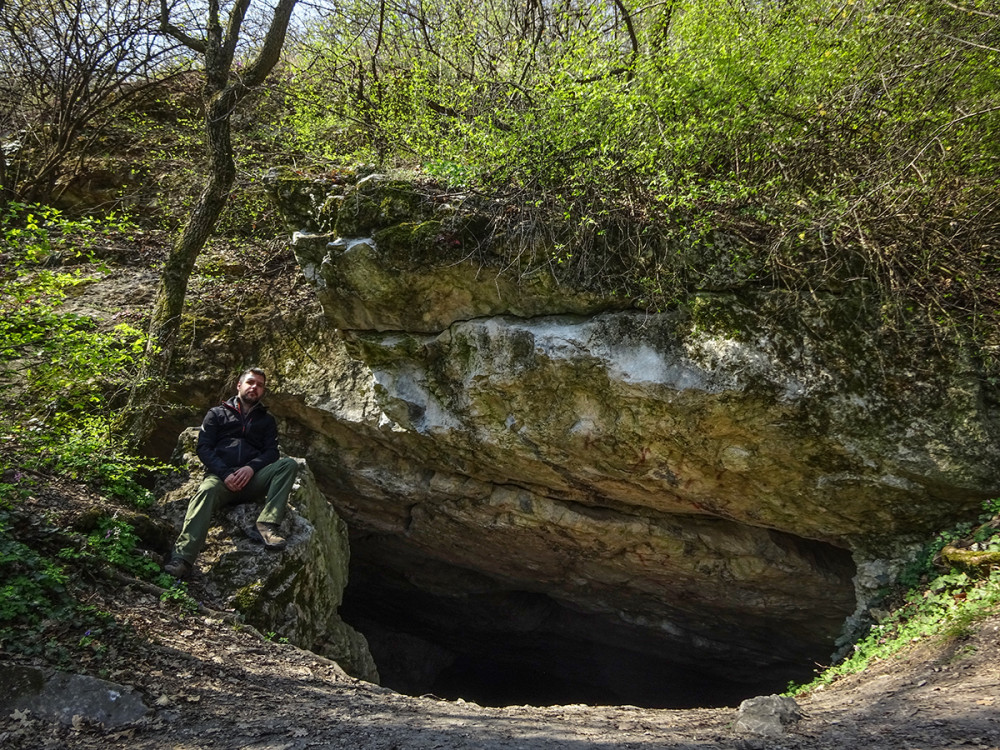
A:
287,466
280,474
210,490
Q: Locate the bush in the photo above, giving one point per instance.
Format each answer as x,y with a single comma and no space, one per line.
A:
64,373
935,599
839,144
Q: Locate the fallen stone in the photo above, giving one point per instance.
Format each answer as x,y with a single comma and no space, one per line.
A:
767,715
60,696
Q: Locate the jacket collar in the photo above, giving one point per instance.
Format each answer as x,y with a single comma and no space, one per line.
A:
233,404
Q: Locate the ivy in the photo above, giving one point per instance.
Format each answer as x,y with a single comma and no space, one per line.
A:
33,587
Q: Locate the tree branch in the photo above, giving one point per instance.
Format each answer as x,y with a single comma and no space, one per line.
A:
971,11
270,50
236,16
198,45
631,29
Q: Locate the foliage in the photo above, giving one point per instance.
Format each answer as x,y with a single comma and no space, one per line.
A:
114,541
33,586
63,373
43,609
836,143
936,602
35,598
164,121
67,67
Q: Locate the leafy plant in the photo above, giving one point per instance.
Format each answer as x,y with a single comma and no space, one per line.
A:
115,542
33,586
64,372
830,141
942,604
175,592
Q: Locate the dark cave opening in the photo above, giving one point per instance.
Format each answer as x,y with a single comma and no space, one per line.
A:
499,647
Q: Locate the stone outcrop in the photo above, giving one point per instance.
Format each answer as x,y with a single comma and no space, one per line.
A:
767,715
527,467
294,594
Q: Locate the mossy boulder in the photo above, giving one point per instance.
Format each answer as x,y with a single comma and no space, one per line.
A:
388,254
723,480
294,594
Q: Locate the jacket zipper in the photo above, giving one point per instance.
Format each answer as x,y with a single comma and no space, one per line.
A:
245,422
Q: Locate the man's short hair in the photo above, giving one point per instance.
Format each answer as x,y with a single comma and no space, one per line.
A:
256,371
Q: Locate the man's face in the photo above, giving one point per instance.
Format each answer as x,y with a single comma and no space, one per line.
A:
250,388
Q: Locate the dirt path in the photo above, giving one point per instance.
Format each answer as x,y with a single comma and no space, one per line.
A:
213,686
212,683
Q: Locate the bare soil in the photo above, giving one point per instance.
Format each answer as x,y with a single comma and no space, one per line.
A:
212,683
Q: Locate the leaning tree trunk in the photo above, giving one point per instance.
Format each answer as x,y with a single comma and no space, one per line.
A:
223,91
4,191
165,324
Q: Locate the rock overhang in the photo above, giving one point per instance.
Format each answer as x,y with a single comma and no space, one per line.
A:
701,476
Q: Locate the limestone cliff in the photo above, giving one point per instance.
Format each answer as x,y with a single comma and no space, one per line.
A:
527,467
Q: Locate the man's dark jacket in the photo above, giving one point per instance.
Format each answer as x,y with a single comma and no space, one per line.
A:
230,439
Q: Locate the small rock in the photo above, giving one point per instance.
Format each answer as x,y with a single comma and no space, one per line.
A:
767,715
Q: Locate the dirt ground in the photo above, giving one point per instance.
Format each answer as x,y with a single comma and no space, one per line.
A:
210,683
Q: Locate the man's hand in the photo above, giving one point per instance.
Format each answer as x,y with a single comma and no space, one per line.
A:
239,479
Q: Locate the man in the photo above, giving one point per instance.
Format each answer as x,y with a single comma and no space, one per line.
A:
238,443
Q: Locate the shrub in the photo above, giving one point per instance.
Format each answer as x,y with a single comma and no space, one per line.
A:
935,599
64,373
838,143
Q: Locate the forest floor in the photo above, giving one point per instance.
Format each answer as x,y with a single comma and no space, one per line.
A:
210,683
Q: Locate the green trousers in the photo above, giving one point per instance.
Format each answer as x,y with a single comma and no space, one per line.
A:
272,484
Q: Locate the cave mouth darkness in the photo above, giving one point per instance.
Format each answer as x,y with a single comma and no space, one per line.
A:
500,648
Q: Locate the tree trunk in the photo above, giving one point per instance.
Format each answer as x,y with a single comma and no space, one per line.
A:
4,191
223,91
165,323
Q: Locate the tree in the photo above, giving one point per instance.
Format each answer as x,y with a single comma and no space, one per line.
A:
67,66
226,84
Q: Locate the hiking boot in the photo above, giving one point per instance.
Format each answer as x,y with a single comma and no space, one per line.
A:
178,568
270,536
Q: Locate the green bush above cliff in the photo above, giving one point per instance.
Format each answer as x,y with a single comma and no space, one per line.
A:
826,145
835,144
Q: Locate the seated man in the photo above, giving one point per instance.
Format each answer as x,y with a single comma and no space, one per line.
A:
238,443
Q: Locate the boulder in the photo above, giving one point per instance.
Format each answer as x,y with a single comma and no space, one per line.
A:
293,594
767,715
716,486
68,698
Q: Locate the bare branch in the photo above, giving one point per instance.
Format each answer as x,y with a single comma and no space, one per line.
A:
971,11
197,45
628,25
270,49
236,16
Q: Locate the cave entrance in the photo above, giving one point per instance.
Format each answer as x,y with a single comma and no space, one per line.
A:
498,647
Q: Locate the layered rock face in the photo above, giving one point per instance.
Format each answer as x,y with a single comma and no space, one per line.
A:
663,504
